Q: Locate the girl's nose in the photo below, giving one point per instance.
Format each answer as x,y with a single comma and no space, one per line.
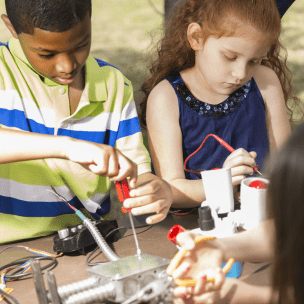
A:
239,72
66,63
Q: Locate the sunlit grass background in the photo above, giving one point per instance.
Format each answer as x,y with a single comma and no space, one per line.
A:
122,35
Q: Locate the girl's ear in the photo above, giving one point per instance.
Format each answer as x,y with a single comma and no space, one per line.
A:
9,25
193,34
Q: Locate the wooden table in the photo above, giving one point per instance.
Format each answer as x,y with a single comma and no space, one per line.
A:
72,268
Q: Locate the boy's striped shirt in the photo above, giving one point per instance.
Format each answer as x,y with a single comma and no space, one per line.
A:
32,103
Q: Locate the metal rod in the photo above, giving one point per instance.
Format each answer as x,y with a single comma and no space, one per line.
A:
134,233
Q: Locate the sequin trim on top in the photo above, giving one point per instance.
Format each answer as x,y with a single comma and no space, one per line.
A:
215,111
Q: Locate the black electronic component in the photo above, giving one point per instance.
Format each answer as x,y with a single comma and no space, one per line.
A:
78,237
206,221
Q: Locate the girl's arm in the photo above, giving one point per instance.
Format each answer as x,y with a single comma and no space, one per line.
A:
203,259
165,141
233,291
278,127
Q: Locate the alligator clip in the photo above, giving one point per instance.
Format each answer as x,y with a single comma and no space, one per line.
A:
123,193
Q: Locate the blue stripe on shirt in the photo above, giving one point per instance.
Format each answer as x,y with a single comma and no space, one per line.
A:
9,205
17,119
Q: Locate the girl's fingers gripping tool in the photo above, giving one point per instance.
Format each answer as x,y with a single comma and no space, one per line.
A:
172,234
123,193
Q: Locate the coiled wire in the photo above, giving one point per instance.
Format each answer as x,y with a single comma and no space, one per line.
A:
103,245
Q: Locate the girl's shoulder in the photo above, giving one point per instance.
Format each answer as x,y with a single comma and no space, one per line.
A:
267,82
265,76
163,91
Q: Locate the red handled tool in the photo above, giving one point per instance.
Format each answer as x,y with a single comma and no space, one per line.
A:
123,192
223,143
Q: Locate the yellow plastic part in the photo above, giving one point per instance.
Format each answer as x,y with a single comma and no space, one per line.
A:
7,290
180,255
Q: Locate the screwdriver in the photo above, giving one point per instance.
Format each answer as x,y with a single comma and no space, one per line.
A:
123,193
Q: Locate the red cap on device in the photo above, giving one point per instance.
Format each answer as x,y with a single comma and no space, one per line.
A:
174,231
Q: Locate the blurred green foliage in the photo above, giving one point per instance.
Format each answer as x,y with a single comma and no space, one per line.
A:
123,32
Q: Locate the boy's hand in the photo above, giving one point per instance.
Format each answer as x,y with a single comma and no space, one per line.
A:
151,195
202,261
102,159
241,162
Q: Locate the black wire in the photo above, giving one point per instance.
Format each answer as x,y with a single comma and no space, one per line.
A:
138,232
8,296
53,264
114,230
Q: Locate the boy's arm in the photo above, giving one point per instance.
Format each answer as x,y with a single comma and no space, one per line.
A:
100,159
151,195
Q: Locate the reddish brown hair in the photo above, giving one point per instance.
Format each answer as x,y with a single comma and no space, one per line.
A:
217,18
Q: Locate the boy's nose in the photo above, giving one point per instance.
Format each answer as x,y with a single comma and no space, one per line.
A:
66,63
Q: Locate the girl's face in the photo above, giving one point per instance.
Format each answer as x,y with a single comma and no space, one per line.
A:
224,64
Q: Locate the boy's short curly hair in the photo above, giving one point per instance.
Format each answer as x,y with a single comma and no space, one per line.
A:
49,15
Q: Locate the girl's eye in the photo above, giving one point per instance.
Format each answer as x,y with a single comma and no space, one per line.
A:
46,56
256,62
230,58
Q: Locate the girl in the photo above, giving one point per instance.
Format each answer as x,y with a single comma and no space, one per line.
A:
280,239
218,71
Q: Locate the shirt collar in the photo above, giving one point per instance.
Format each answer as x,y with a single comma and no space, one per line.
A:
95,79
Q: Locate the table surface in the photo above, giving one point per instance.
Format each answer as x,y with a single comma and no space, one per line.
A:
73,267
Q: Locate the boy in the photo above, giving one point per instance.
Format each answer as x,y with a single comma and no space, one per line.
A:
64,118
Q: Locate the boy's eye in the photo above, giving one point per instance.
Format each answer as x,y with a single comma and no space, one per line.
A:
82,46
46,56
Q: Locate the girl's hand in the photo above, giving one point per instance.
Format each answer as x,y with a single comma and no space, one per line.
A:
202,261
101,159
241,162
227,294
151,195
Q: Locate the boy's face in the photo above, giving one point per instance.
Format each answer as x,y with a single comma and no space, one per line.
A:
59,56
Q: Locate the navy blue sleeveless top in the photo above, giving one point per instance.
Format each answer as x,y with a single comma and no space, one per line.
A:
239,120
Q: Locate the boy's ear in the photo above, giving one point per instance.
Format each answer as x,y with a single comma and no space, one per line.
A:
193,34
9,25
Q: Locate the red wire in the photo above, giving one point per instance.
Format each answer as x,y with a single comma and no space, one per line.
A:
185,163
222,142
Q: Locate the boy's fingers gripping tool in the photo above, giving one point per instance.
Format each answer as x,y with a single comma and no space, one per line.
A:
173,232
123,193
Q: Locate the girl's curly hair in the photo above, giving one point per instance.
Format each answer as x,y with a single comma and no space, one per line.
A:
217,18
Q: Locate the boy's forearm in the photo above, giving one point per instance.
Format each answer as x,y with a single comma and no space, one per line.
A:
21,146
